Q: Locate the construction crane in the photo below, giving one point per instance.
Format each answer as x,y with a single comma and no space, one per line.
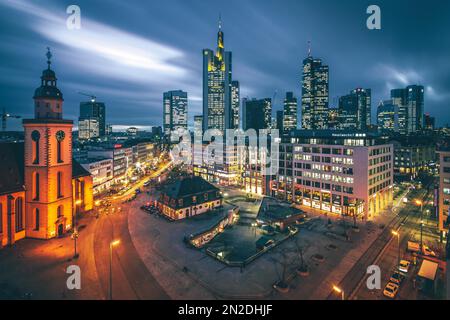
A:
93,98
5,116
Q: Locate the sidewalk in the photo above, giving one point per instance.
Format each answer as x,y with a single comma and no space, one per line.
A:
36,269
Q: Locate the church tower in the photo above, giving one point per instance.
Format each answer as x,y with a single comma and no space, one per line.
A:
48,162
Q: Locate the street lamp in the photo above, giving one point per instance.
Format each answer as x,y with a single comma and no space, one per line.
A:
112,244
420,203
339,290
397,234
421,235
75,230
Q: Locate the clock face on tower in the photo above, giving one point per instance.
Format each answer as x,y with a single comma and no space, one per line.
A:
60,135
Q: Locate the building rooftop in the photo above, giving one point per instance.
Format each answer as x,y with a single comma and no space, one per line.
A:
346,134
186,186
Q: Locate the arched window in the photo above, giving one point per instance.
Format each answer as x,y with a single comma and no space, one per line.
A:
36,189
59,151
19,214
36,219
59,185
35,136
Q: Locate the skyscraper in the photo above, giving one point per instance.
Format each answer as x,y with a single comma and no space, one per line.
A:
88,129
280,118
198,126
387,116
217,87
92,114
257,114
410,102
315,97
429,122
355,109
290,113
235,101
175,108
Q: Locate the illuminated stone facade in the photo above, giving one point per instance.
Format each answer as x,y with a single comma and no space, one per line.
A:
46,183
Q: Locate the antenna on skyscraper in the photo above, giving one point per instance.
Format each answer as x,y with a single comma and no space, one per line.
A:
220,21
309,48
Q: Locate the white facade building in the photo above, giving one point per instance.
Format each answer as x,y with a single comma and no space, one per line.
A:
102,173
342,173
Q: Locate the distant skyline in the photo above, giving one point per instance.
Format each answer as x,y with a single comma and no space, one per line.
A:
129,53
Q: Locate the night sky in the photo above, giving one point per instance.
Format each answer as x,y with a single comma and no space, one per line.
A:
128,53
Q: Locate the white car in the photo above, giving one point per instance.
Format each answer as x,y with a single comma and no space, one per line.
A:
404,266
391,290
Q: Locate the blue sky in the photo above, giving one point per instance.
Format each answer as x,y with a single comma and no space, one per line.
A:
128,53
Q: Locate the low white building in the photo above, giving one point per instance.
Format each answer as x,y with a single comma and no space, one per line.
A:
102,173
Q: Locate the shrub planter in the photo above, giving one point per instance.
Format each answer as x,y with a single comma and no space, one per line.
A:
281,287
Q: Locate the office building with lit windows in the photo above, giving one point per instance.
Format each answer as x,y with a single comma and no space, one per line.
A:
217,87
198,126
235,103
355,109
315,94
175,104
347,173
257,114
410,103
387,117
413,155
444,190
88,129
289,113
94,111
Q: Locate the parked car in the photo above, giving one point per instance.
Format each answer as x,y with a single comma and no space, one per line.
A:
397,278
404,266
415,247
391,290
147,183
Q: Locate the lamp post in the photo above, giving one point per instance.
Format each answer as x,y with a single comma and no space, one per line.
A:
397,234
112,244
420,203
339,290
75,229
